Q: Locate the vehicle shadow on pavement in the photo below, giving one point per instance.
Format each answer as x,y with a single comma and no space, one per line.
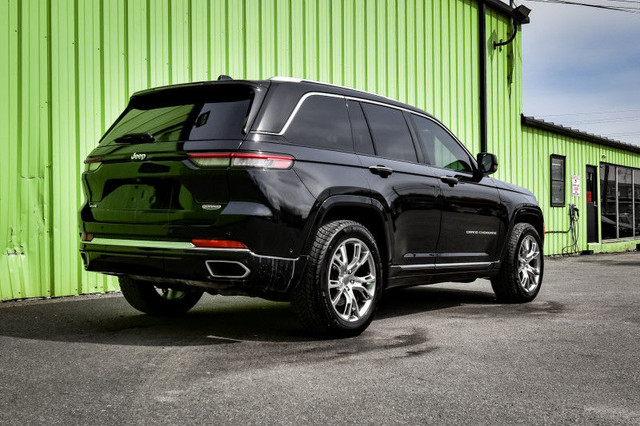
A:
407,301
214,321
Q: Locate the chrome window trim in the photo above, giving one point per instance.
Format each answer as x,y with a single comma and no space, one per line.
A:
357,99
304,80
295,111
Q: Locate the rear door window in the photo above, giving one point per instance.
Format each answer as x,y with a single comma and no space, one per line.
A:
438,147
321,122
390,133
219,117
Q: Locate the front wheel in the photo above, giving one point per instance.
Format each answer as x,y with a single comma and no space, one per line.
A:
341,288
154,300
522,268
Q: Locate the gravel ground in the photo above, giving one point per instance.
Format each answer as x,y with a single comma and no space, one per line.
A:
445,354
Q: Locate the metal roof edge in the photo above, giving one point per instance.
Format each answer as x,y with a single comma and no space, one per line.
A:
578,134
501,7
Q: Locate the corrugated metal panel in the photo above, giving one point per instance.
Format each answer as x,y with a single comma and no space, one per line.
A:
26,157
504,98
524,152
538,145
71,65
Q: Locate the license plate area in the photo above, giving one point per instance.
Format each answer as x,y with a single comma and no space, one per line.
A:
141,195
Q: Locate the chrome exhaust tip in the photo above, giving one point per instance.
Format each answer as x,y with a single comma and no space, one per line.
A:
227,269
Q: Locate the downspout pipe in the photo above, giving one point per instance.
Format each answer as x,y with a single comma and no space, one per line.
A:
520,15
482,37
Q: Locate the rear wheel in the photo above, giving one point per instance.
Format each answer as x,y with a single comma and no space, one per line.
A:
341,288
522,268
154,300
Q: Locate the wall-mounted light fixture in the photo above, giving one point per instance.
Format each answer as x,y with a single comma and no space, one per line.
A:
520,15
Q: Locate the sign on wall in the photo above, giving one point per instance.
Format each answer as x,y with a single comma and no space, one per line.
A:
575,185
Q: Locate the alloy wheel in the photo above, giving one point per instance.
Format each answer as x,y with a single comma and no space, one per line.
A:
352,280
529,264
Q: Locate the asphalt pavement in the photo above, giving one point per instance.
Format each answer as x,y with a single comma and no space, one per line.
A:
445,354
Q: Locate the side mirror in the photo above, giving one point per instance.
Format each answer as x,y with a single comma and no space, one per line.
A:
487,164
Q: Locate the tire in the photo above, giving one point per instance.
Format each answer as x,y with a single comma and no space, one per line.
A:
333,298
520,276
152,300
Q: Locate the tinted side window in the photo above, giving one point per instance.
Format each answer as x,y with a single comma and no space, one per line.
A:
438,147
321,122
390,133
361,136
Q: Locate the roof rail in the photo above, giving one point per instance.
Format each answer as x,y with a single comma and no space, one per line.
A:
304,80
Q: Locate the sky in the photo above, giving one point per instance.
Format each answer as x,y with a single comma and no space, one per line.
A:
581,67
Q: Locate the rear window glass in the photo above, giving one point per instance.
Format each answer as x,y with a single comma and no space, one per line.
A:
322,122
218,117
390,133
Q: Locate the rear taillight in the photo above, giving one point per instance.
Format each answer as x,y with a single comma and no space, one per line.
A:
262,161
92,164
211,159
241,160
228,244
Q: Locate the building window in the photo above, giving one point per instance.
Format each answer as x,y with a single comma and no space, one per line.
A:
636,197
619,201
557,181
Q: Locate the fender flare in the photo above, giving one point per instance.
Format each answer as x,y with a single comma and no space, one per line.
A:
320,212
523,210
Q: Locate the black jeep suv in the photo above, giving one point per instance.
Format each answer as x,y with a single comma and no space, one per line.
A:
296,190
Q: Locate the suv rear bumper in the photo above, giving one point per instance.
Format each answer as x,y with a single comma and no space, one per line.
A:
212,268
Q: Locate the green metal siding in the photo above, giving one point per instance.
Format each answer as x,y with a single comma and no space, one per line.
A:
25,163
524,152
504,98
538,145
70,66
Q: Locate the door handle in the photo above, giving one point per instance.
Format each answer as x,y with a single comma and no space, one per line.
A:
381,171
449,180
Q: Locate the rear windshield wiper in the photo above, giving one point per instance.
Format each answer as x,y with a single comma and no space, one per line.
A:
135,137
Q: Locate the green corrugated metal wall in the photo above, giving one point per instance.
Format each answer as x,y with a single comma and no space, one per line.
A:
534,162
71,65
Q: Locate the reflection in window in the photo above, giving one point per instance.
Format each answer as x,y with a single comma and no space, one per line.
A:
625,202
557,181
390,133
609,220
619,202
322,122
438,147
186,122
636,197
